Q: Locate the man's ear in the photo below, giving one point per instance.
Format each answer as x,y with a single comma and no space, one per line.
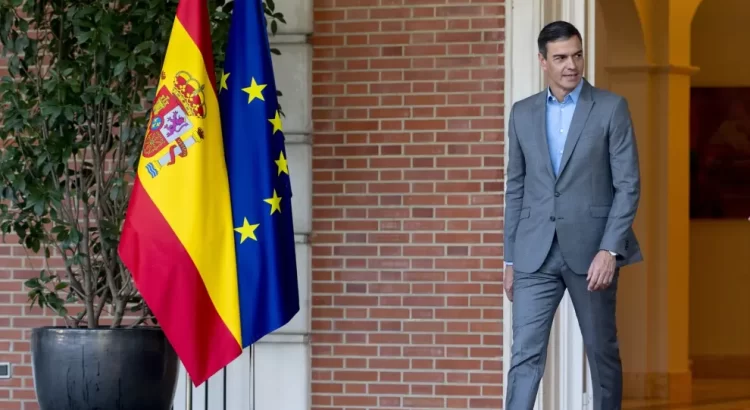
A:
542,62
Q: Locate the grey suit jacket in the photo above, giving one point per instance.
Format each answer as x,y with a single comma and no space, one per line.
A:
592,203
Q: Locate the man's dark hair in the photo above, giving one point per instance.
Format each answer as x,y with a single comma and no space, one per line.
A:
556,31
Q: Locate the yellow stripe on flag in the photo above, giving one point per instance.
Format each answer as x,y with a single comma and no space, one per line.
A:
192,192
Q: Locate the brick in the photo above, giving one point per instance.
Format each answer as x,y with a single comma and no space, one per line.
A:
407,204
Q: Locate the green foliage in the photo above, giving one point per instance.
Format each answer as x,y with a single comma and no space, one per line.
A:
75,105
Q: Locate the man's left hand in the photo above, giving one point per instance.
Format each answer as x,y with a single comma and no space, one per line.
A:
601,271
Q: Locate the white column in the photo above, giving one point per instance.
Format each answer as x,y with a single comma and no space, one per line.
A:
572,361
523,77
563,384
280,364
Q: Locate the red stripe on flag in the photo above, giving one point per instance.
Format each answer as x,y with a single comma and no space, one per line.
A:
173,289
193,14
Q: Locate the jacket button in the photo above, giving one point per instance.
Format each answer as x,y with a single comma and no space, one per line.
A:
557,194
552,218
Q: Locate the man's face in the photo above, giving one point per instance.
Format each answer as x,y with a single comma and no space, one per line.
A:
564,63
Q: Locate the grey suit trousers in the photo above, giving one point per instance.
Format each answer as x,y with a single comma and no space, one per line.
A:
536,296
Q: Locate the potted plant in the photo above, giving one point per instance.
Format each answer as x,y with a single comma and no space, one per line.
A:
76,100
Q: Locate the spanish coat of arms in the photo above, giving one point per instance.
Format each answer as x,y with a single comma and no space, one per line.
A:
172,122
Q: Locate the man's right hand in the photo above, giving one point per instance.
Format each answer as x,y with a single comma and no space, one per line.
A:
508,282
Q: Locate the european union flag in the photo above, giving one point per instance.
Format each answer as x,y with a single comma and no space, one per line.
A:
259,182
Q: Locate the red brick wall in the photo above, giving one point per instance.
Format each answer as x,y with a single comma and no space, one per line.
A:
16,321
407,207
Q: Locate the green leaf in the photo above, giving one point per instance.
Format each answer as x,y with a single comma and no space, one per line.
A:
146,45
120,67
116,100
32,283
70,115
75,236
39,208
120,53
83,37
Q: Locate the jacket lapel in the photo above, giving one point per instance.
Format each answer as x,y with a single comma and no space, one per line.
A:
580,115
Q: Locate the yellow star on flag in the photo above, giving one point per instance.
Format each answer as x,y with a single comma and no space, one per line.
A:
275,202
224,78
254,91
276,121
282,164
247,231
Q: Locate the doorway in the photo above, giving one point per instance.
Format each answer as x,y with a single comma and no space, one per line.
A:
678,311
720,202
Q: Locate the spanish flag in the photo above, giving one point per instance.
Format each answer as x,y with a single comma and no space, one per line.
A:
208,234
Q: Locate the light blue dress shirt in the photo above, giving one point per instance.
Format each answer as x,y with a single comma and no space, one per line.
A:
559,116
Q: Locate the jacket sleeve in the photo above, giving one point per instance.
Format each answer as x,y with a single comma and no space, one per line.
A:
626,180
514,186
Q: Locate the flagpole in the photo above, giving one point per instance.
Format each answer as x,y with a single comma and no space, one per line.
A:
188,393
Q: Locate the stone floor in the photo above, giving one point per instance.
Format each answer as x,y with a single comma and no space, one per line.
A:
708,394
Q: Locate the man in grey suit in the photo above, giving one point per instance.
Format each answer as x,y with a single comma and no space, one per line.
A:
572,193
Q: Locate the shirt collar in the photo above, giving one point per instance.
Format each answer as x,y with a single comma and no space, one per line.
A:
572,96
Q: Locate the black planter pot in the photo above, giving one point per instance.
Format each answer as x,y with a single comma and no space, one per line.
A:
103,369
